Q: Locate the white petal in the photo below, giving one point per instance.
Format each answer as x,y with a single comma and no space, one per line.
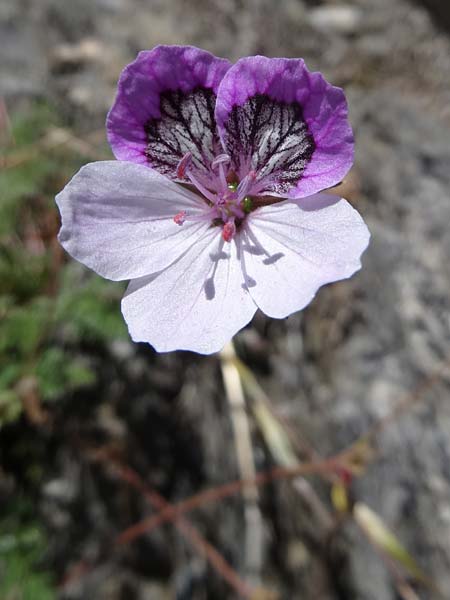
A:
117,219
198,303
292,248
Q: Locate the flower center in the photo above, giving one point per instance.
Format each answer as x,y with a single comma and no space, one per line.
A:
229,201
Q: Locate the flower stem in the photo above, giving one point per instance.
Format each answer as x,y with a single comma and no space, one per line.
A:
246,465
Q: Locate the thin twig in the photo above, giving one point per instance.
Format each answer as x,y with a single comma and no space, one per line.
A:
224,491
326,468
284,452
246,464
215,559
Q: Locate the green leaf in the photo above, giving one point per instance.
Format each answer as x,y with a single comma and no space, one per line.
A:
21,547
24,327
89,307
58,372
10,407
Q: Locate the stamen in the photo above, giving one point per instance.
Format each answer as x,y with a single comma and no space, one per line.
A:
233,202
246,184
220,160
228,231
183,165
211,197
183,170
205,216
237,211
180,218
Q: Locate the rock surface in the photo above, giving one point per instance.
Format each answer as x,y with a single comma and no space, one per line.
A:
333,370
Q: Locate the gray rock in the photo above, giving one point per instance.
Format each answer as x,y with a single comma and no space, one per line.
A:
341,18
335,369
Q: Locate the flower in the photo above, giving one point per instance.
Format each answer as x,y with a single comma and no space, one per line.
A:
214,208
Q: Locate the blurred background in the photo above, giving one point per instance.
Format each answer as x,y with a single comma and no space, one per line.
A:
87,417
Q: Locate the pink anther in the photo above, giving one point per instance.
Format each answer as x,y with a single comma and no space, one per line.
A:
183,165
228,231
180,218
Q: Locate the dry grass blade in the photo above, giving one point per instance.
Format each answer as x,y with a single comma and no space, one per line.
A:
379,534
279,444
246,464
392,552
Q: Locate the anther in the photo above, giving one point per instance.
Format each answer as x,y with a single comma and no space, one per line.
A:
228,231
180,217
183,165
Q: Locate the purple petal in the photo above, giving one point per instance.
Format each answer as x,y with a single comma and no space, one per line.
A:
118,219
285,123
198,303
290,249
165,108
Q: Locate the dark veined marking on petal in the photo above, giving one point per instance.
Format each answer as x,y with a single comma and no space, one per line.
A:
186,124
274,135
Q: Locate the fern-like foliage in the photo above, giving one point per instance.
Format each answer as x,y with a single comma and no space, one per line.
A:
50,308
